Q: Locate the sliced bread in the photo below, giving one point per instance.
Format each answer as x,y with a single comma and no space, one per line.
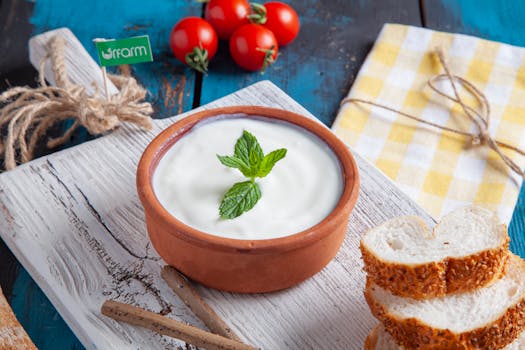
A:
12,334
467,250
379,339
486,318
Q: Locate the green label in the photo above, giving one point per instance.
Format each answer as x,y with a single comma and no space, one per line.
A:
124,51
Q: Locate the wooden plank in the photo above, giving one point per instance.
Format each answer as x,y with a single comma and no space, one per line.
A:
170,83
74,221
318,68
494,20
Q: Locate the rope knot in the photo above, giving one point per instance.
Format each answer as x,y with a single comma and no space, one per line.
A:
480,117
483,137
478,140
95,116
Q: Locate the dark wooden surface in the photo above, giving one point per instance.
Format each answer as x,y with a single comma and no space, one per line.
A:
317,70
15,28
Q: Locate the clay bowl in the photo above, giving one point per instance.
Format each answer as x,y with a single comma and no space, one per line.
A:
246,266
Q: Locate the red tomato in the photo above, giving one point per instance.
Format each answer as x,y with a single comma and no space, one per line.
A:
194,42
227,15
253,47
283,21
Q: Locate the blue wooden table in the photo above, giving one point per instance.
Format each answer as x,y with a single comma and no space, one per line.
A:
317,70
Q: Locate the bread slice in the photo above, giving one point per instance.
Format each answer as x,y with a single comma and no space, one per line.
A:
12,335
467,250
379,339
486,318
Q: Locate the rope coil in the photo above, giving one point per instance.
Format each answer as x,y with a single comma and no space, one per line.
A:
28,113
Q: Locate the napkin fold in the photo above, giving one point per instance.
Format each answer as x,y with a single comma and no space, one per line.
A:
435,168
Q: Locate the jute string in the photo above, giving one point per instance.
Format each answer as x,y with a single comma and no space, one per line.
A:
479,116
28,113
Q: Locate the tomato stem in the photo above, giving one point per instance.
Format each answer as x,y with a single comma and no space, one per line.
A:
198,59
268,57
258,14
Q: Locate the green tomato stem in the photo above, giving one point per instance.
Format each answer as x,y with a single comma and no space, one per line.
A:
268,57
258,14
198,59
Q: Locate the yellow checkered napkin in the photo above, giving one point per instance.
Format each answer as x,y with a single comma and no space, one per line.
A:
434,167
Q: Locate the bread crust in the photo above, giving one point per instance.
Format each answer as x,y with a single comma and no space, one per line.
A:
12,334
371,339
439,278
412,333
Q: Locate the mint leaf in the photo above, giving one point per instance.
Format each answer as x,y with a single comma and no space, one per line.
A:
249,158
269,161
239,199
234,162
248,150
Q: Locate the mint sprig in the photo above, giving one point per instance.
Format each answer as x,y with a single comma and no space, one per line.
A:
249,158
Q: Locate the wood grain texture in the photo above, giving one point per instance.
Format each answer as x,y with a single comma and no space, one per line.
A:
506,19
184,289
74,221
318,68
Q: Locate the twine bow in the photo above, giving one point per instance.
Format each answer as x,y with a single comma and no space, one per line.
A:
480,117
28,113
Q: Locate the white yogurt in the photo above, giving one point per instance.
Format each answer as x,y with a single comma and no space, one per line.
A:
300,191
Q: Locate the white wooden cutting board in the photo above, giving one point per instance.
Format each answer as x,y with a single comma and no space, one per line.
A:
74,221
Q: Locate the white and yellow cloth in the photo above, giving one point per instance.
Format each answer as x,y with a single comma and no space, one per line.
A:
434,167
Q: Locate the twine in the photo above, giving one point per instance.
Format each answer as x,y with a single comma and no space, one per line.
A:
480,117
28,113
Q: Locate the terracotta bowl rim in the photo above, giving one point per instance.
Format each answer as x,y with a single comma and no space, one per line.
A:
169,136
